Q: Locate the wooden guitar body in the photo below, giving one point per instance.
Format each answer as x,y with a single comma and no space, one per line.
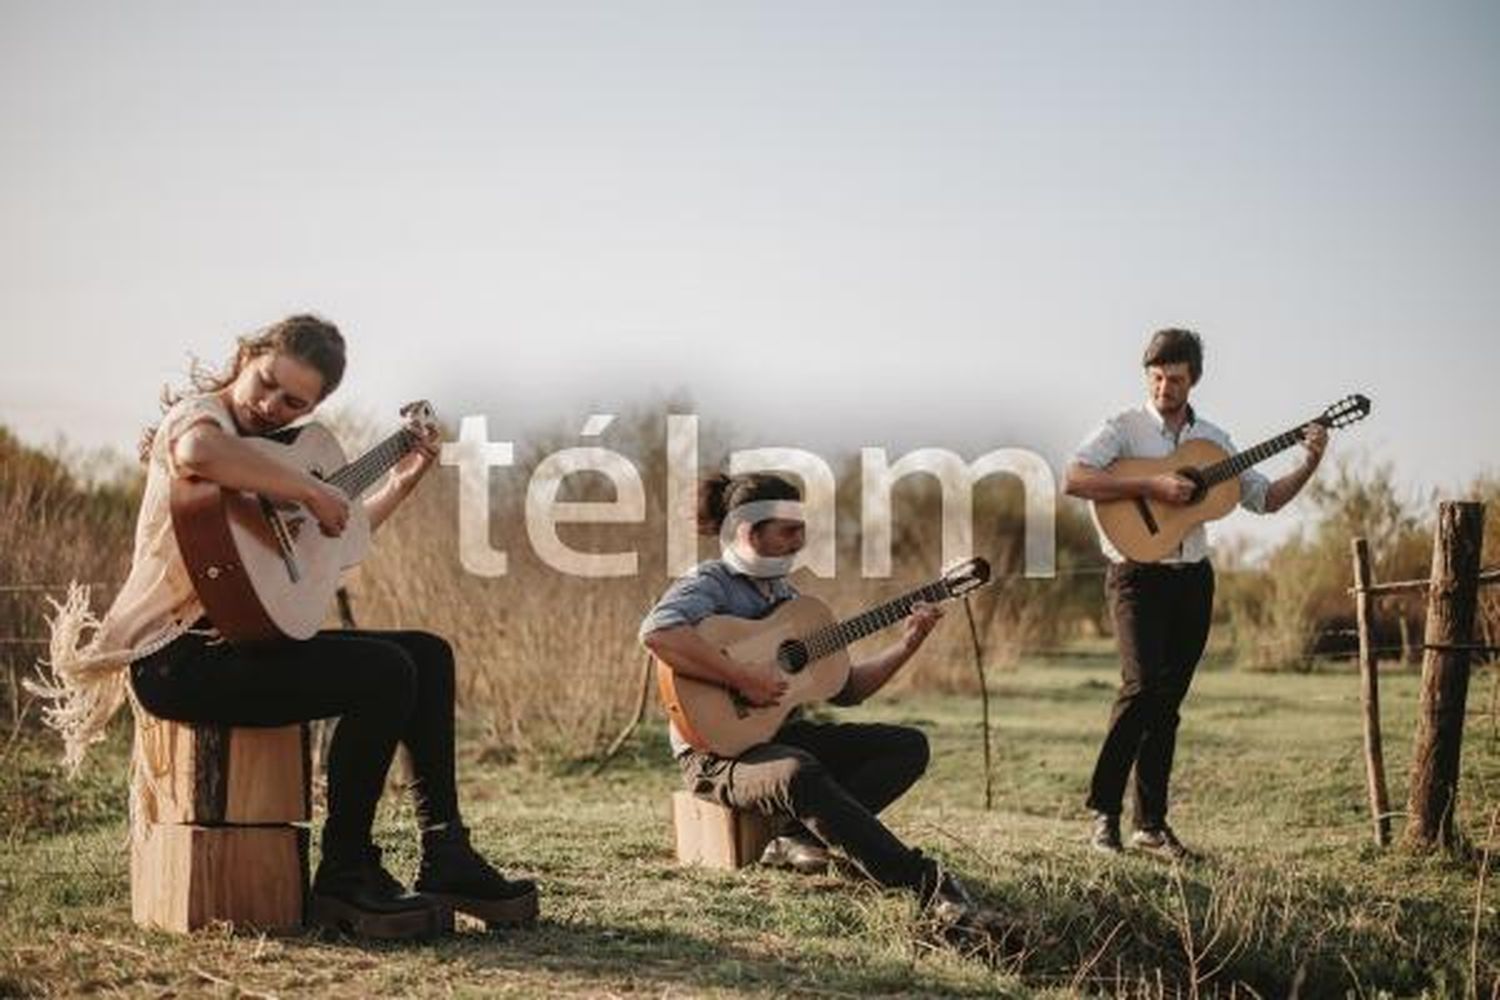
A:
262,571
712,718
803,639
1148,530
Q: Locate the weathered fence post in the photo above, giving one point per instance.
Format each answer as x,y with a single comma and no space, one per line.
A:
1411,650
1369,676
1452,597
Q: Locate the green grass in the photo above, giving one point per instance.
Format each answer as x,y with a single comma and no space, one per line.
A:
1269,785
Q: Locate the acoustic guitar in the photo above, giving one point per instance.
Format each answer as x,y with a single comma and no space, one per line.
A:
263,569
1145,530
801,637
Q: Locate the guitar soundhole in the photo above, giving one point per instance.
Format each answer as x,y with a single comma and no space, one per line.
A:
792,655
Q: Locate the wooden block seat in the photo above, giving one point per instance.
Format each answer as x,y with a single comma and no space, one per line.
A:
717,836
186,876
218,840
222,774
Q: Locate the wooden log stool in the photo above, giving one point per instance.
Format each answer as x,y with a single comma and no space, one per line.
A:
218,839
717,836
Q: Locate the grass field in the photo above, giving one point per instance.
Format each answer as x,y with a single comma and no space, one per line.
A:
1291,898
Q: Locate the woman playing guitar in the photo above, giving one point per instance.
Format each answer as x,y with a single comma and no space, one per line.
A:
385,687
827,779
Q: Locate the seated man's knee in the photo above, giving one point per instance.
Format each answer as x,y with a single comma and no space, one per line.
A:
914,748
802,777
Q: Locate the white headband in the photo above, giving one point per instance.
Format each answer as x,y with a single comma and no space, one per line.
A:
745,559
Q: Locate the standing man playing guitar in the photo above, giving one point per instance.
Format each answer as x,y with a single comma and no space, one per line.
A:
157,648
828,779
1160,609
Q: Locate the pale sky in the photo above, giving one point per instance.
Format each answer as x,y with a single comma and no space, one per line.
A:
834,225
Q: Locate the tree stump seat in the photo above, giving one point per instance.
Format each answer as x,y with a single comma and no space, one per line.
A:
717,836
221,835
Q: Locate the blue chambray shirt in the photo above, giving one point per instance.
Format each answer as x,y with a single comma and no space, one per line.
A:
711,588
1141,433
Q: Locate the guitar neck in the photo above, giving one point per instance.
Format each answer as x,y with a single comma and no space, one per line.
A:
832,638
1235,464
362,473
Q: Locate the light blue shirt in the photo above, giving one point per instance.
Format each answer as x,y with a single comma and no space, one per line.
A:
1142,433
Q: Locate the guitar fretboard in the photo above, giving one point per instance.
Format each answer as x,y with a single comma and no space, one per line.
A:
362,473
1240,461
831,638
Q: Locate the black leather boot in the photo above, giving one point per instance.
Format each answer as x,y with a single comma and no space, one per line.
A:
453,873
352,893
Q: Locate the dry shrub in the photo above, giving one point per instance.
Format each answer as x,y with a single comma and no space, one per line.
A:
55,526
1297,605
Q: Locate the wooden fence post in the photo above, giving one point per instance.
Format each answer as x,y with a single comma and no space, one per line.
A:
1369,676
1452,597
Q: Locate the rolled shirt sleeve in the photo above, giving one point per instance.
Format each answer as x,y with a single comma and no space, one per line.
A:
687,602
1102,447
184,415
1253,487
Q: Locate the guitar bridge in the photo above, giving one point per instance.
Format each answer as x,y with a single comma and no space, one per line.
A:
283,536
1146,515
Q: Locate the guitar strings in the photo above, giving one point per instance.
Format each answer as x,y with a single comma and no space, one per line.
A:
354,478
831,638
1237,463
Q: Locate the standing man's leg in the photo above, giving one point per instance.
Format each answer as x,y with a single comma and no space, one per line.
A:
1191,613
1133,594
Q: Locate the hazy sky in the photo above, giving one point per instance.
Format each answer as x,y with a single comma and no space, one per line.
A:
832,224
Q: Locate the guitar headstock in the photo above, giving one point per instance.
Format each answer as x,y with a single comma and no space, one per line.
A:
967,575
1346,411
420,418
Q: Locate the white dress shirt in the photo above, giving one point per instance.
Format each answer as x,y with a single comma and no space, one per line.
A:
1141,432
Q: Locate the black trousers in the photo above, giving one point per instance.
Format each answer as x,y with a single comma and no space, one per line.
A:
385,687
833,779
1161,614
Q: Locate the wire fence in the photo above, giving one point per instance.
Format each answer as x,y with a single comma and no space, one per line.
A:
1385,589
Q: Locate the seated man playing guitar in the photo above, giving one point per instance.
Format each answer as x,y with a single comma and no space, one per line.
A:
830,780
385,687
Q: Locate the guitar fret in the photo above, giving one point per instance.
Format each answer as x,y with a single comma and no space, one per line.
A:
853,629
359,475
1232,466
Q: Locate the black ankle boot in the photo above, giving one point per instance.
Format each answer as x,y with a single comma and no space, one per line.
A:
453,873
953,915
354,894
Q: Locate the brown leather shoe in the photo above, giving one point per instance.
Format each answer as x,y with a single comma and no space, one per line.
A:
953,916
1106,836
1161,841
798,854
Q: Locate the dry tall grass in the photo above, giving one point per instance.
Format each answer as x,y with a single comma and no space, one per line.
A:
54,527
549,663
